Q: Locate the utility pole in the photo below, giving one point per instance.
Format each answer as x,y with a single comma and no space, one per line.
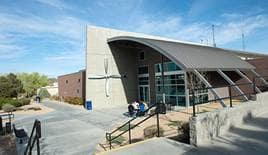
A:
243,41
213,36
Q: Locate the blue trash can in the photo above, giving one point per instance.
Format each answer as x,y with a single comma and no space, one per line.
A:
88,105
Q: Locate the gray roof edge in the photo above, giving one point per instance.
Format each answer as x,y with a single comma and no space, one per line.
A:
136,39
143,41
237,52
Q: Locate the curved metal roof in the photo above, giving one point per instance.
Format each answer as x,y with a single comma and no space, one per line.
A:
190,56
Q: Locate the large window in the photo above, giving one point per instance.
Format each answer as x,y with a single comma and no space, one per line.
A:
168,66
174,85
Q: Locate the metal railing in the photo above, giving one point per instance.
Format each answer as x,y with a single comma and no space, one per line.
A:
109,135
34,138
230,93
8,124
255,78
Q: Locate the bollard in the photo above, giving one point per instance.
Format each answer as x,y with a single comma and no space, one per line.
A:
8,127
1,125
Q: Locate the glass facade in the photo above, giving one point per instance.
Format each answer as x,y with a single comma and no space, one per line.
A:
174,85
168,66
143,81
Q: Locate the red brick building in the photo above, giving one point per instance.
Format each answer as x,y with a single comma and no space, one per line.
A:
72,85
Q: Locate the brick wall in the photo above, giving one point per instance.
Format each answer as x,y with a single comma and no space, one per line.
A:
72,85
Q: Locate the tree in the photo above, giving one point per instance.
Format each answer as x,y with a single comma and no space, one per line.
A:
193,82
10,86
16,86
32,81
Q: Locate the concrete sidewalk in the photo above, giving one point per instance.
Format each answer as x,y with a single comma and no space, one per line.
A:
248,139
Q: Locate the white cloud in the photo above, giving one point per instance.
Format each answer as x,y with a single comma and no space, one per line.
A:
61,30
55,3
63,26
228,28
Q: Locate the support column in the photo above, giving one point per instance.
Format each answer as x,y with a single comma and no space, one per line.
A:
163,81
244,76
258,75
232,83
186,90
215,93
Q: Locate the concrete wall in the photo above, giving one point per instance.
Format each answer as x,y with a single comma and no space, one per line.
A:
211,124
96,51
72,85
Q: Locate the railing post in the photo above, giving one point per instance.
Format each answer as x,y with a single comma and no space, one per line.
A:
1,125
193,100
254,85
38,135
157,119
110,141
230,95
129,133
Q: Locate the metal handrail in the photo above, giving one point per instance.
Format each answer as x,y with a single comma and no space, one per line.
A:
230,97
37,130
109,135
118,128
215,87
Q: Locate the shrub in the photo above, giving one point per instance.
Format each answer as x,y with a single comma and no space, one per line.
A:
25,101
8,108
184,132
125,127
14,102
74,100
55,97
151,131
43,93
34,108
119,140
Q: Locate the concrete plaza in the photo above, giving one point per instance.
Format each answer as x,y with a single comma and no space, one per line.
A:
71,130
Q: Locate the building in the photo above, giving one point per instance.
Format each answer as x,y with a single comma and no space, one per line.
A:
52,89
123,66
72,85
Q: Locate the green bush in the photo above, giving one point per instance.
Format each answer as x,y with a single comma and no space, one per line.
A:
55,97
14,102
125,127
119,140
184,132
151,131
74,100
8,108
43,93
25,101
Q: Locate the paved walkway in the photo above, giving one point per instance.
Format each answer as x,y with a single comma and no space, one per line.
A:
250,138
71,130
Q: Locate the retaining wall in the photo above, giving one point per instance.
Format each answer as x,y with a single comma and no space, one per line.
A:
205,126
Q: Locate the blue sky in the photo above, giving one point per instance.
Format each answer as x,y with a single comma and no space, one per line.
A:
48,36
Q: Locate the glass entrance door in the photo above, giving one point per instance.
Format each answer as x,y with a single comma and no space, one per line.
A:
144,93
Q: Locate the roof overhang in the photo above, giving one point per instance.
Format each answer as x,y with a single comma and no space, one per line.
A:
189,57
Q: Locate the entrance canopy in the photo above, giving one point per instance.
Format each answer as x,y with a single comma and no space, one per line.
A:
191,56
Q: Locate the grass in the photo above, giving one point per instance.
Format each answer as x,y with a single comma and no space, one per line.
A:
125,127
173,123
119,140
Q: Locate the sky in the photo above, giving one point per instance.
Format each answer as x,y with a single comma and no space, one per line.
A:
48,36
